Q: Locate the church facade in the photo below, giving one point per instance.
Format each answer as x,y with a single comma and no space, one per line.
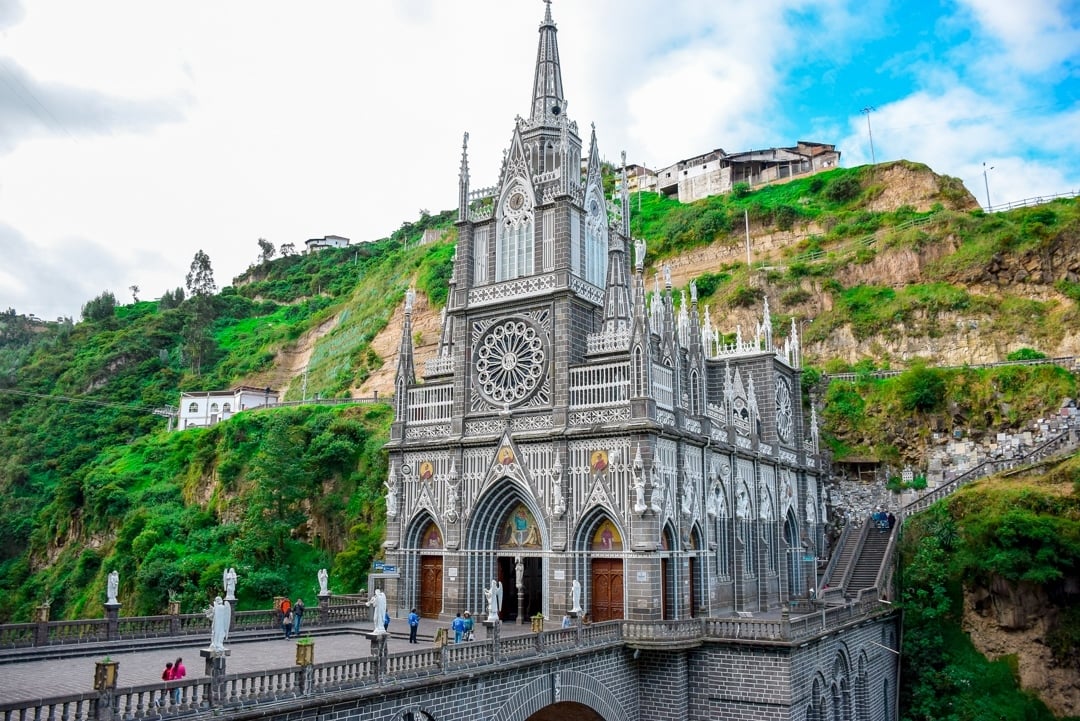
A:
590,444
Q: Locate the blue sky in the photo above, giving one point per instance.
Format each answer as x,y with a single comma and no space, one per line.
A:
133,134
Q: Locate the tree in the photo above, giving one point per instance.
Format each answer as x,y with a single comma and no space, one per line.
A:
266,250
100,308
287,250
171,299
134,292
200,277
201,287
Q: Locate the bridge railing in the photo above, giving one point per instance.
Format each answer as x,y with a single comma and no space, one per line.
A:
220,691
114,627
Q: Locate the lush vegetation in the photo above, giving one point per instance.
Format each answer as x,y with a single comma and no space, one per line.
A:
1024,533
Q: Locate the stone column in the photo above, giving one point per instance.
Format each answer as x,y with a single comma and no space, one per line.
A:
324,609
215,669
378,653
174,618
41,631
112,617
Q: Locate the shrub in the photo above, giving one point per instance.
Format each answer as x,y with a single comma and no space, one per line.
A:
843,188
1025,354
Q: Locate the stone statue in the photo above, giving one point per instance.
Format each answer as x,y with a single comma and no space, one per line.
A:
451,503
378,613
765,510
391,497
324,581
575,597
710,501
113,587
639,492
657,499
519,571
230,584
811,512
742,504
220,615
494,600
639,253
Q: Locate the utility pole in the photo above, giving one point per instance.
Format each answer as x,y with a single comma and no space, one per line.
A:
866,111
987,184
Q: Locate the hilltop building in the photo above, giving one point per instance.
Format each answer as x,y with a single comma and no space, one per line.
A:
205,408
574,426
329,241
716,172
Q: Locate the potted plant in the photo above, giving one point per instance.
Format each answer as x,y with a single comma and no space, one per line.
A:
538,623
105,672
305,651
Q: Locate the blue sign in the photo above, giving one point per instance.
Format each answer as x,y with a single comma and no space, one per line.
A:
389,569
379,565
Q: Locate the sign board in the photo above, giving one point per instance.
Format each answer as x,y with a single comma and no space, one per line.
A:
642,576
808,558
387,568
379,565
451,572
560,574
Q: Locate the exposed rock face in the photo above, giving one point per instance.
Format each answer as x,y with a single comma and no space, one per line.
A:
1012,619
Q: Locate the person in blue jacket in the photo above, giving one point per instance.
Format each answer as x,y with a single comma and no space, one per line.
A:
458,627
414,623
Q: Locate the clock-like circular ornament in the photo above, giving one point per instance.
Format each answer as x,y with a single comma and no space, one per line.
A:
517,200
784,419
510,362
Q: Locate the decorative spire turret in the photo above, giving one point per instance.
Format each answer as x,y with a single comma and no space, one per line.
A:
463,181
548,99
406,374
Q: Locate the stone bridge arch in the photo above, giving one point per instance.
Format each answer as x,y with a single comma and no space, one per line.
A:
562,687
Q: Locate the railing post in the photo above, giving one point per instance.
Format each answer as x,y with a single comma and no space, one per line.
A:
174,618
112,618
215,669
324,609
41,632
105,673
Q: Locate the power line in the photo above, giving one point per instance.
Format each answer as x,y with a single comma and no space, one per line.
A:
33,97
75,399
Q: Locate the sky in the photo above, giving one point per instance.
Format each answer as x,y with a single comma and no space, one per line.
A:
134,133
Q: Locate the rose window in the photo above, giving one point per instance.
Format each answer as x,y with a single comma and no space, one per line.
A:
509,362
784,419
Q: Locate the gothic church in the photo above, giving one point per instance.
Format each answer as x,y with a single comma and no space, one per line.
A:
577,425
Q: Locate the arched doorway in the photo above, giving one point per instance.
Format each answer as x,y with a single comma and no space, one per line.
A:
601,540
798,586
667,574
424,567
506,528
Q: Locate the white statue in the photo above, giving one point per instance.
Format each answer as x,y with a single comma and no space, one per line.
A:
378,614
451,503
324,582
811,511
657,490
556,488
575,597
742,504
519,571
639,253
113,587
639,492
220,615
494,600
710,501
230,584
391,496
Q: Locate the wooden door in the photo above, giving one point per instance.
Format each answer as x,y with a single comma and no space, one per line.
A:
665,590
607,589
691,572
430,586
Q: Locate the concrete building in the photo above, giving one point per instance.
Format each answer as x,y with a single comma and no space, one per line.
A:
716,172
329,241
205,408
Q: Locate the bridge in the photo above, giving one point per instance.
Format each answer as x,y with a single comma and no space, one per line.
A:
803,661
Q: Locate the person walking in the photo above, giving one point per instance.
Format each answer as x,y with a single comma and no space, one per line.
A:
298,615
287,624
166,675
386,621
414,624
458,627
178,672
469,623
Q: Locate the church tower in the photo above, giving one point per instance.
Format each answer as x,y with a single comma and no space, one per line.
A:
570,429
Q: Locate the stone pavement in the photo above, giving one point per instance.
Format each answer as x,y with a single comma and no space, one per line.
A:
28,680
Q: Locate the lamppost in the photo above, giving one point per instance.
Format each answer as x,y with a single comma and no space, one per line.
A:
986,184
866,111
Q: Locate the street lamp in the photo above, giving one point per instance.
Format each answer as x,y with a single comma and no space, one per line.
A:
986,183
866,111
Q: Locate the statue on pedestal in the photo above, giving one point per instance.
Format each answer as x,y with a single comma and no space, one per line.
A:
324,581
378,613
113,587
494,600
220,615
230,584
575,596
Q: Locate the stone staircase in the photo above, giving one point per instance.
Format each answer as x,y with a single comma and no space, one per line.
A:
867,568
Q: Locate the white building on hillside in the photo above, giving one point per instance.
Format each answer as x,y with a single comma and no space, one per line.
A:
329,241
205,408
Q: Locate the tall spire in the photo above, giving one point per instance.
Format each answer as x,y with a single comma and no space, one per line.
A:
463,181
548,97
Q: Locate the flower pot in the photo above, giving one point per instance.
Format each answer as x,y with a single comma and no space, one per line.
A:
305,653
105,673
537,624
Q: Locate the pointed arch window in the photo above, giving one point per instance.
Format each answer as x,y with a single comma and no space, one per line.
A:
596,238
514,247
480,255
